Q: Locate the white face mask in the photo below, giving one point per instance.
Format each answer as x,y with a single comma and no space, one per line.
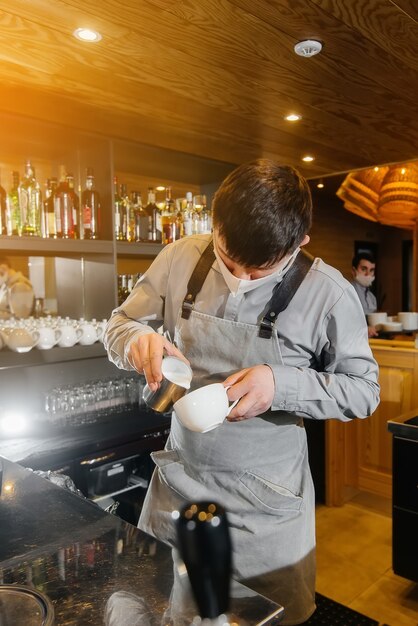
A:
241,285
364,281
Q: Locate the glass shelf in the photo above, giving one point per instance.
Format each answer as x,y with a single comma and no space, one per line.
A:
37,246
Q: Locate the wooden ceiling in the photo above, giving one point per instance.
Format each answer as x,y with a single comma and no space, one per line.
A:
215,78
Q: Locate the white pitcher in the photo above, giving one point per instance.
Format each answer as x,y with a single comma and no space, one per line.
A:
90,333
69,333
48,337
20,339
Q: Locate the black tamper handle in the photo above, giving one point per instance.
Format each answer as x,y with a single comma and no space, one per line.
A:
205,546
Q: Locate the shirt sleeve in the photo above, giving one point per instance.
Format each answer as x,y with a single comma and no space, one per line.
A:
345,383
141,313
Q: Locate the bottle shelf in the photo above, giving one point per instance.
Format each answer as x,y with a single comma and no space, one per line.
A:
138,249
37,246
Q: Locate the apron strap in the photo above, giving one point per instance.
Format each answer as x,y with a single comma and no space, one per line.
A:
197,279
284,292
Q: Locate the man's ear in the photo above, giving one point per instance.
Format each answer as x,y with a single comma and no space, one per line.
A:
305,241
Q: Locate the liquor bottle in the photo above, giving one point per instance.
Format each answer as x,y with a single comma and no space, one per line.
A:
195,211
127,214
123,290
50,222
90,208
30,200
205,222
75,202
153,212
118,211
168,219
4,219
188,214
14,206
141,218
64,207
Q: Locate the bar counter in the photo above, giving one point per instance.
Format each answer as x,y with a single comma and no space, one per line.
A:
93,567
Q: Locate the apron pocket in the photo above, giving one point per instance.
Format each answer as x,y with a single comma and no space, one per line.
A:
164,457
270,496
172,473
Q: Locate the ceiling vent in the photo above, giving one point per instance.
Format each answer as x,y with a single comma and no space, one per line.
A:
308,48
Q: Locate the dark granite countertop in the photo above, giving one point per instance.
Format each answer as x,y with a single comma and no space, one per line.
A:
94,567
405,426
53,445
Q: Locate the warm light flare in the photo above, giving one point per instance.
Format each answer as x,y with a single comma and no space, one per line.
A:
87,34
293,117
308,158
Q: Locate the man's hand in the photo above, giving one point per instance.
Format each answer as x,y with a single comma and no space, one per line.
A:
146,355
255,387
372,332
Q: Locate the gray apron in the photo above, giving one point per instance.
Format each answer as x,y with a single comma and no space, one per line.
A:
257,469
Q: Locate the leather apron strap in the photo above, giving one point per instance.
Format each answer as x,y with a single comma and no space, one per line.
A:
197,279
284,292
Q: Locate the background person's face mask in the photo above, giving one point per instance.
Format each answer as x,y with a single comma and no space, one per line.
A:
363,280
241,285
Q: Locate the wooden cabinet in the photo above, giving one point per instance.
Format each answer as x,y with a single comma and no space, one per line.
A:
359,453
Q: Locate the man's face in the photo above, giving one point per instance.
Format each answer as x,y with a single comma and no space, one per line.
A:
365,268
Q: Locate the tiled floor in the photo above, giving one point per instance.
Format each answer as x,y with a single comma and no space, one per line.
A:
354,561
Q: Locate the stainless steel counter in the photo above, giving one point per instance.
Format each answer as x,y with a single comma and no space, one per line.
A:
95,568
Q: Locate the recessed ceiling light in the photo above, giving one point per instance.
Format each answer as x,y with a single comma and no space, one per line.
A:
86,34
160,188
321,185
308,48
308,158
293,117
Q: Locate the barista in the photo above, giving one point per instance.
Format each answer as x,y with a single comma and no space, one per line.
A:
363,268
216,296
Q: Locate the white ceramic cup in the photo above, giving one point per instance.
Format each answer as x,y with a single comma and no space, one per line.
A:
409,320
204,409
377,319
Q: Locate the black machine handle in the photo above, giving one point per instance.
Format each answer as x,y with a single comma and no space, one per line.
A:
205,546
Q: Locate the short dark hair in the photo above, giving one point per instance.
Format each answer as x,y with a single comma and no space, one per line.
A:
362,256
262,210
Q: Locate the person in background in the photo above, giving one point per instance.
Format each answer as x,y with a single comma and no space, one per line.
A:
222,298
14,285
363,268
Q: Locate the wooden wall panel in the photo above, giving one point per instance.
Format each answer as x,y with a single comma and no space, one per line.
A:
333,235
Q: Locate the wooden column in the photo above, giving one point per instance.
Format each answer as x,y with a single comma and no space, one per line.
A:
415,269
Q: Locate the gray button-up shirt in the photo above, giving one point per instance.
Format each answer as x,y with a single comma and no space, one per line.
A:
326,368
367,298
